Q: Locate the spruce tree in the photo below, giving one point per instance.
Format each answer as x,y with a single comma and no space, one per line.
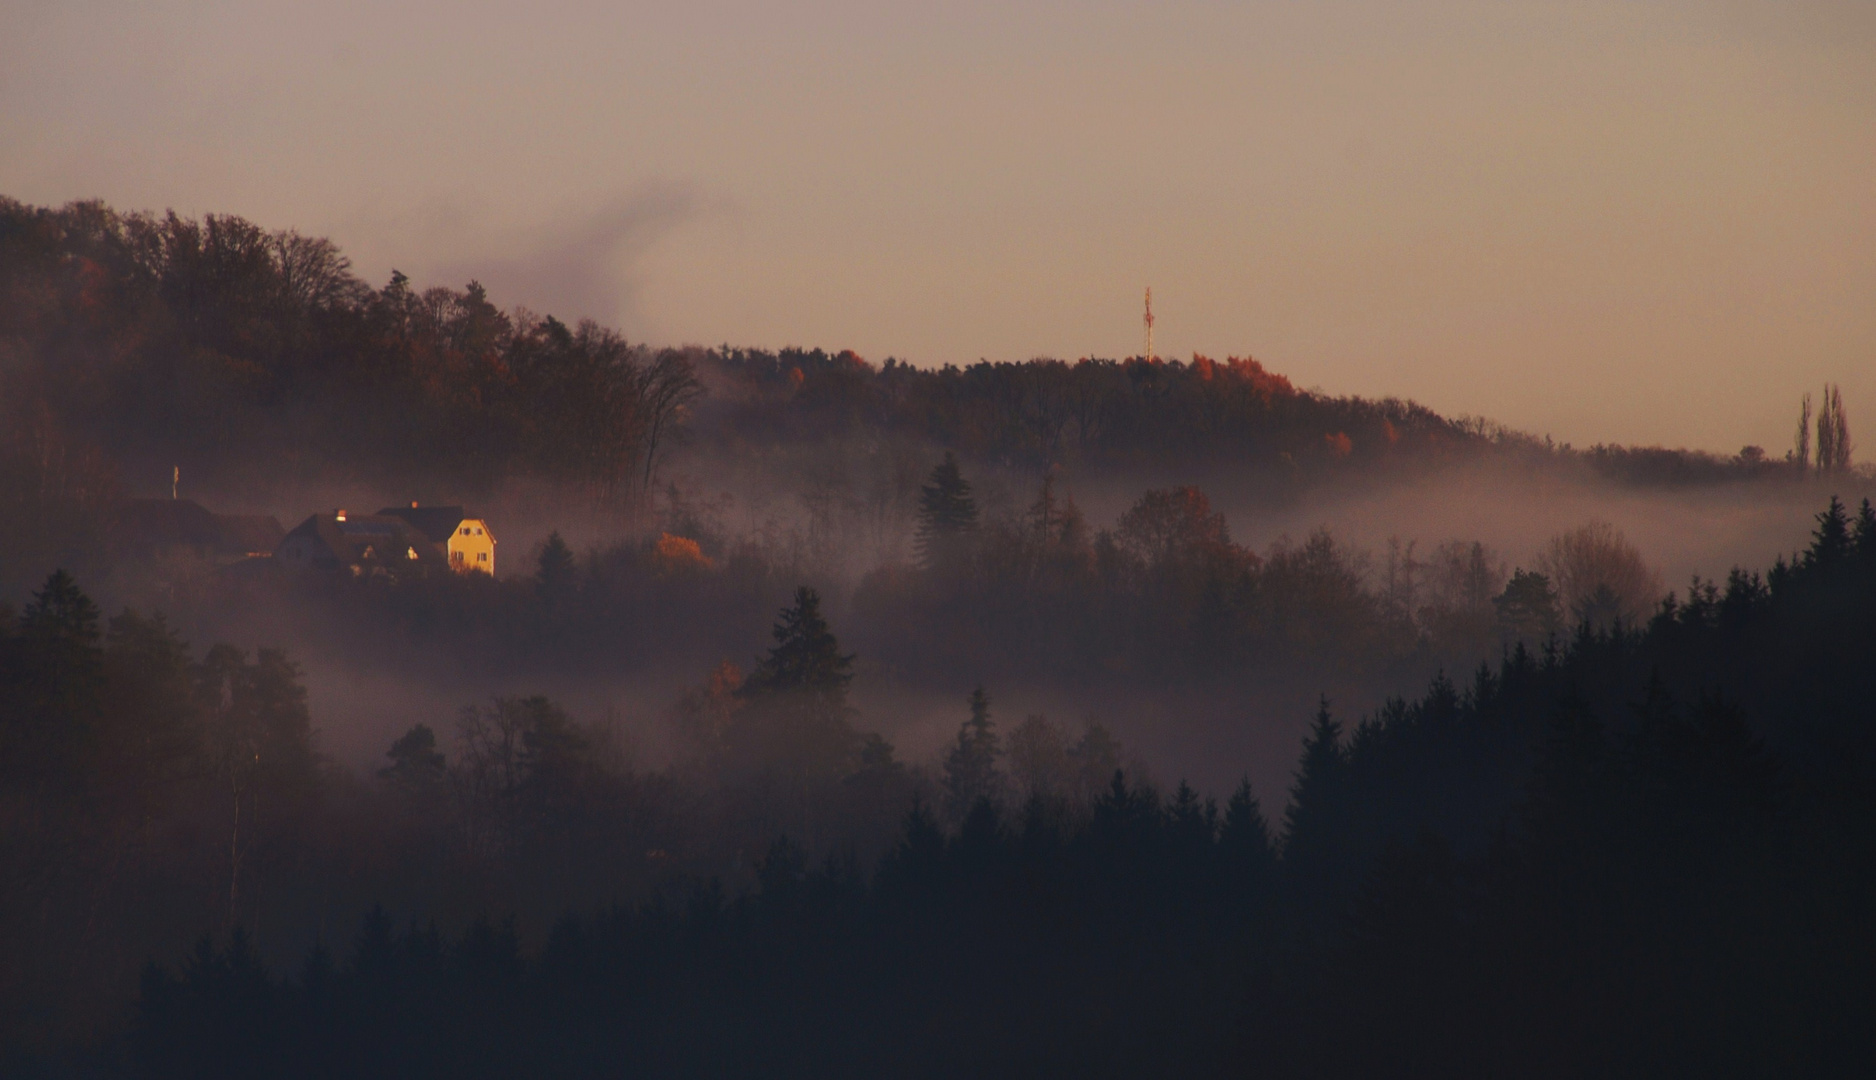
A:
554,576
805,658
1245,836
60,611
795,725
1831,543
971,772
1314,799
946,514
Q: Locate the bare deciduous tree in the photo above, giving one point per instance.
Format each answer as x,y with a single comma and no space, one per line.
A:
665,386
1600,576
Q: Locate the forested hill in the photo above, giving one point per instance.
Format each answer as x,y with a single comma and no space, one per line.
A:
1639,853
131,343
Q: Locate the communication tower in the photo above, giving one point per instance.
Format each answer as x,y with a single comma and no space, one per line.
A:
1149,324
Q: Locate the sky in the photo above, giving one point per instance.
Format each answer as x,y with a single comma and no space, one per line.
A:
1647,221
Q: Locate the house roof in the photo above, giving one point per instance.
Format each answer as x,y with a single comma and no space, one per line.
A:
434,522
147,524
369,539
252,533
167,521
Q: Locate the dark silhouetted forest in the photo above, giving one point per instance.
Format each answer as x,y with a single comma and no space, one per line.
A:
1639,850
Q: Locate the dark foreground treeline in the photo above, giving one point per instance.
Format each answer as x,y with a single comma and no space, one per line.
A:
1643,853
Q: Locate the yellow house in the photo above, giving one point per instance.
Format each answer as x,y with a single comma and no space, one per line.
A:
464,541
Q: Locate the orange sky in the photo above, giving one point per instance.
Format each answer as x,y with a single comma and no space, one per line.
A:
1640,221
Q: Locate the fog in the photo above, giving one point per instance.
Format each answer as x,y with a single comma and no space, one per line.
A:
830,516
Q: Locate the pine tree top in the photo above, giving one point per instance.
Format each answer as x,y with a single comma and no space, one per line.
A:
61,610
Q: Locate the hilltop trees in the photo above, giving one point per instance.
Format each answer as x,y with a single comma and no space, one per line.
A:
253,359
1172,526
1833,433
217,345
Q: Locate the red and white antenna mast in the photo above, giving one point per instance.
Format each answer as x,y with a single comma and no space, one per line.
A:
1149,324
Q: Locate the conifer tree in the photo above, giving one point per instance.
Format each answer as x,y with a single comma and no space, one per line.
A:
1527,609
796,723
1866,533
416,763
1314,799
971,770
947,515
554,576
60,611
1831,542
805,658
45,717
1245,835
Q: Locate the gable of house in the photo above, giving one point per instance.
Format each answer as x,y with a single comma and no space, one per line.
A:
465,542
472,547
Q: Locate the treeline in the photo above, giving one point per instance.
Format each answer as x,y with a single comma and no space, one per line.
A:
1639,852
1032,595
1104,413
246,356
150,794
249,357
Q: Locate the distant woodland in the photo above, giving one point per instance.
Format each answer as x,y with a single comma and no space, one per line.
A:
248,357
1579,822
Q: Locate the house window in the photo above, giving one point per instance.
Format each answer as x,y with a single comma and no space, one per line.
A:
482,556
465,530
478,531
455,557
